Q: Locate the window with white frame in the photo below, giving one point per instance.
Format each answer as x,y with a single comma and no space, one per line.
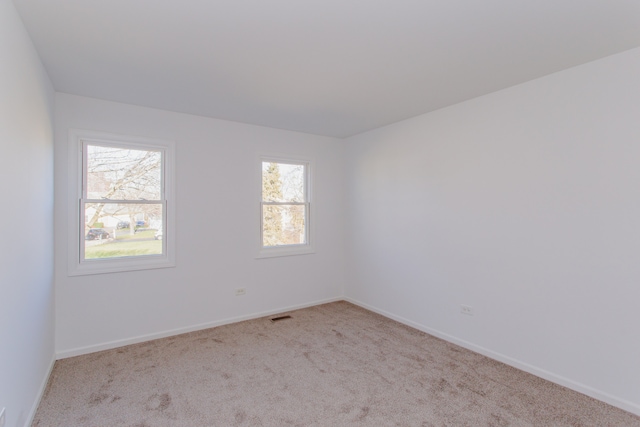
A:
124,204
284,207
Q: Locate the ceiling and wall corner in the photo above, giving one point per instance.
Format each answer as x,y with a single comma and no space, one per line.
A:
327,67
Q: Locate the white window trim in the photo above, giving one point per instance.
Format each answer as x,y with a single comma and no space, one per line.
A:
76,266
288,250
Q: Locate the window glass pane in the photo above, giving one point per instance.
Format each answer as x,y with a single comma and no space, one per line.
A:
123,174
113,230
282,182
283,225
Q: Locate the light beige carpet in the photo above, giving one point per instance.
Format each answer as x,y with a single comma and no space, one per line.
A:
331,365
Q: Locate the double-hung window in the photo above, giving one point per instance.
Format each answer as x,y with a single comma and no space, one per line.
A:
124,204
285,208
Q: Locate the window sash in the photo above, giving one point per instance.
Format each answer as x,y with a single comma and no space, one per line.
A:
125,201
86,143
293,248
131,145
83,231
77,155
285,203
307,209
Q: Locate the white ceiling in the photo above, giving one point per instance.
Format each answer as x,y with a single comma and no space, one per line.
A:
327,67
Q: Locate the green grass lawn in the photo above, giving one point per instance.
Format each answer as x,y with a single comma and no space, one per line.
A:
124,234
124,248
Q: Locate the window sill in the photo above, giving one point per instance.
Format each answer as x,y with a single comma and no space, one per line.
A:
285,251
117,266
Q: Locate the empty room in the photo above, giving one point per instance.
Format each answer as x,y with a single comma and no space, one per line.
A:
321,213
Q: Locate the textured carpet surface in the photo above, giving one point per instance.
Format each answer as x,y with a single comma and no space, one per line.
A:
330,365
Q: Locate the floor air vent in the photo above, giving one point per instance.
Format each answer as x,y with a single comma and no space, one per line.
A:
279,318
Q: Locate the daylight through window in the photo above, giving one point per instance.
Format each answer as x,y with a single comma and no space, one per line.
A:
122,202
285,204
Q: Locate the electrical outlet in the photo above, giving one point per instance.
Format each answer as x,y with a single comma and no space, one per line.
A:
465,309
241,291
2,417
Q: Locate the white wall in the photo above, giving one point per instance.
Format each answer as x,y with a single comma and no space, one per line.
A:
26,243
525,205
217,231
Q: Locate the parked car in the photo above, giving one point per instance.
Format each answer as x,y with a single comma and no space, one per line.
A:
139,223
158,235
97,233
123,224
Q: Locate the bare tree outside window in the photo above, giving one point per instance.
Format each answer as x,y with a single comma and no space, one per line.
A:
123,203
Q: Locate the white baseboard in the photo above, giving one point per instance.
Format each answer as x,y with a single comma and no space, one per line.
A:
135,340
626,405
43,387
